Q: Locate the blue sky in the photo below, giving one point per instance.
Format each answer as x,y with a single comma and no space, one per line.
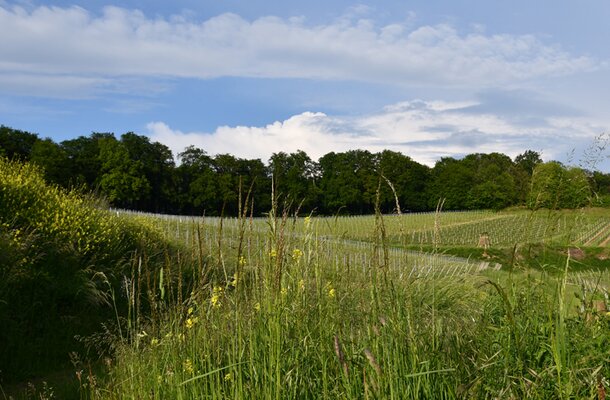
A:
427,78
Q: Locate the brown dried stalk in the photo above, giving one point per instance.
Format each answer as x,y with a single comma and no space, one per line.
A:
340,355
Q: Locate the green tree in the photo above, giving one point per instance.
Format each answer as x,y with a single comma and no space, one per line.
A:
555,186
122,179
294,177
84,158
157,164
601,188
234,175
256,175
197,183
227,178
451,181
528,160
493,184
577,192
478,181
349,182
54,161
409,178
15,143
522,173
601,183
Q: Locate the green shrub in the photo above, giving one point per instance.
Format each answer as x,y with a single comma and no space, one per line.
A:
60,253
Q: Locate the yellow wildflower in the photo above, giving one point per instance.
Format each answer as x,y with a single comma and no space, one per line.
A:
235,279
302,284
331,292
257,306
229,377
297,254
242,261
154,341
216,293
307,221
188,366
190,322
284,291
273,253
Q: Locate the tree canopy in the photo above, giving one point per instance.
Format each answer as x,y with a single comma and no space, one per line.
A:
133,172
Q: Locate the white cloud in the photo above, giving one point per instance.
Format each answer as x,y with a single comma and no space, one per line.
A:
423,130
60,42
312,132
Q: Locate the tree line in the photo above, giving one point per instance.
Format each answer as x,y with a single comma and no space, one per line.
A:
133,172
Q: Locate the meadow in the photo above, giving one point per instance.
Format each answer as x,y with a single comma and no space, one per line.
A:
508,304
407,306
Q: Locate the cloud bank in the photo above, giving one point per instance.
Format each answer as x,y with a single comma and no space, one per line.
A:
76,48
426,131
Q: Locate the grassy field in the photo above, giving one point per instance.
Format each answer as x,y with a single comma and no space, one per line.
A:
410,306
442,305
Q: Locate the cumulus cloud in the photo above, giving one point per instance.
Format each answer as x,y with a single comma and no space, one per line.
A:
57,43
315,133
426,131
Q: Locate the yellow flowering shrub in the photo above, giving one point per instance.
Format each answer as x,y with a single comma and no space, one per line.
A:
76,221
59,251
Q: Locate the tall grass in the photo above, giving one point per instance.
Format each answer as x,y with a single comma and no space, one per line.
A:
291,307
291,317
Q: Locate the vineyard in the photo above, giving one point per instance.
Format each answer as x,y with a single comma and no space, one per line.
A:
578,228
414,245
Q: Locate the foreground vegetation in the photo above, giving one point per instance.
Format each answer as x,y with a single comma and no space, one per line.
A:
303,315
434,305
61,258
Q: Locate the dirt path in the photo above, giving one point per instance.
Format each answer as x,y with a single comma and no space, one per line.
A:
475,221
452,225
604,231
606,241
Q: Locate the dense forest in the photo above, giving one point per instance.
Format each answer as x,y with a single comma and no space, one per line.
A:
133,172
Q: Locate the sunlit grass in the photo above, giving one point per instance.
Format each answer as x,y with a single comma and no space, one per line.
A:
349,318
316,307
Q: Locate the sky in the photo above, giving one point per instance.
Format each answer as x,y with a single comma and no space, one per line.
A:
430,78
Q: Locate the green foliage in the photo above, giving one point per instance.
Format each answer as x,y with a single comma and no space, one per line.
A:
197,186
15,143
601,183
308,308
54,161
555,186
478,181
341,325
156,164
294,176
123,179
133,172
349,182
59,252
409,178
452,181
528,161
84,158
